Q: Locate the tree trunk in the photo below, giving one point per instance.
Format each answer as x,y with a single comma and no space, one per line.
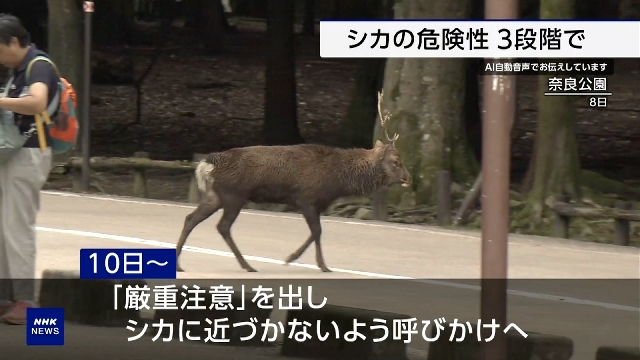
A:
358,127
603,9
66,47
211,25
113,22
472,114
32,15
557,164
425,97
309,20
280,109
527,180
629,9
250,8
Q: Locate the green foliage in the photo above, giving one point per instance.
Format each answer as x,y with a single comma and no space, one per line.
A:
603,185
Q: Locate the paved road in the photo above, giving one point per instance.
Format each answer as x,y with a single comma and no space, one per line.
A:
68,222
86,342
356,249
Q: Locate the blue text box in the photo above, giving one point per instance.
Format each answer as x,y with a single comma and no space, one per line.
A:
45,326
128,263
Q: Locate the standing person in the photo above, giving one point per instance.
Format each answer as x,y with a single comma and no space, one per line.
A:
23,173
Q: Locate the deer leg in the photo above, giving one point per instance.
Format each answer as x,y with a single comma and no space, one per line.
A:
205,209
224,228
312,216
296,254
319,257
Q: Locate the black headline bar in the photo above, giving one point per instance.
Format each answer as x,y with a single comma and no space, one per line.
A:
571,67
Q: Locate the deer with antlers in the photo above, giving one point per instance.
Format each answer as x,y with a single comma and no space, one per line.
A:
308,177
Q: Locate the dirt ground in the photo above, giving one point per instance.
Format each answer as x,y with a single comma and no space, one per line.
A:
179,120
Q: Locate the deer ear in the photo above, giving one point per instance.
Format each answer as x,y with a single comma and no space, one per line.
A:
379,150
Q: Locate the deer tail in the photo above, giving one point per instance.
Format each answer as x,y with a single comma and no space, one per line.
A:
203,176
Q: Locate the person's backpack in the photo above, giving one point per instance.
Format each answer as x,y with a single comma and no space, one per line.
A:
63,127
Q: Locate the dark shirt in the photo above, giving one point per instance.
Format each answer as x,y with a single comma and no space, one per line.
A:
41,71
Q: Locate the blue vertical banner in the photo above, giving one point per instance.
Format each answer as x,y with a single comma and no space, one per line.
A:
102,264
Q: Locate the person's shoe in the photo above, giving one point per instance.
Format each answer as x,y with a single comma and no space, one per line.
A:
17,314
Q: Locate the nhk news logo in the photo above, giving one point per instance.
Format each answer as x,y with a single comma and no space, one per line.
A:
45,327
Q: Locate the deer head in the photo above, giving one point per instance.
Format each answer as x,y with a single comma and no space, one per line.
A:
388,155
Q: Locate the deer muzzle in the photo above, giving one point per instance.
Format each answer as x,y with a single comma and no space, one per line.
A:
406,182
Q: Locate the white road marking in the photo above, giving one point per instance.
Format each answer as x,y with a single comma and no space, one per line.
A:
347,222
140,241
282,216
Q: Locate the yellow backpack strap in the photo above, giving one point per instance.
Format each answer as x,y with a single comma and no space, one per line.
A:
47,119
53,106
41,136
43,58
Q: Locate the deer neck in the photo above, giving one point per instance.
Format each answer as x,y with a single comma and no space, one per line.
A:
363,178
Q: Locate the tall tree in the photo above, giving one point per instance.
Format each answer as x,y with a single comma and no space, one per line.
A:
309,18
472,113
280,108
212,25
113,22
629,9
65,44
357,129
425,98
210,21
557,163
601,9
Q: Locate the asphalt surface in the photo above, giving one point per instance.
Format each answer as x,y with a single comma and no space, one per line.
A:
435,271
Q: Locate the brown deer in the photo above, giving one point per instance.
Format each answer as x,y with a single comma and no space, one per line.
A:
308,177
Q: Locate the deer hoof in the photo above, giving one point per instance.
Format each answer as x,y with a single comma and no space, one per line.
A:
249,268
325,269
179,268
291,258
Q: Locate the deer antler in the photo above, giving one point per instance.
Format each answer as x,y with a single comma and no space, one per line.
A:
384,118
